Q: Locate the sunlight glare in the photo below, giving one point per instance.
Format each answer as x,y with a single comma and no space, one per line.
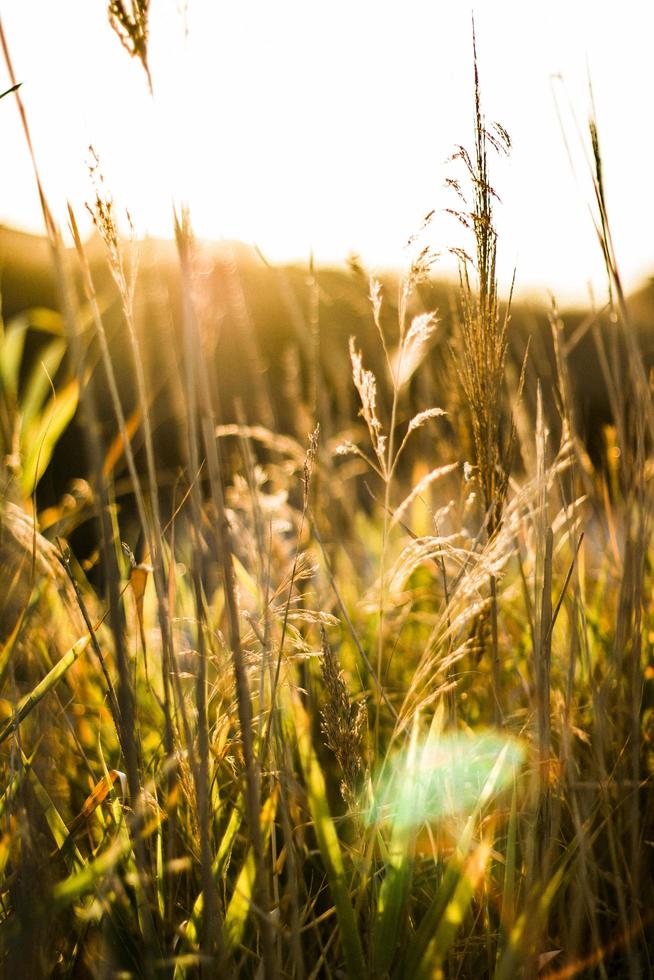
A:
326,129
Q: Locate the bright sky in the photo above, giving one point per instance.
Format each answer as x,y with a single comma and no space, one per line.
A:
309,125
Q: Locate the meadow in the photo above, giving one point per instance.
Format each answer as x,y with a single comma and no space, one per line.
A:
327,623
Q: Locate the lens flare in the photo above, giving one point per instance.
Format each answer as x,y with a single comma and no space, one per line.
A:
451,774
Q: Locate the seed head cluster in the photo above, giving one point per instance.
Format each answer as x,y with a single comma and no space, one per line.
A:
343,722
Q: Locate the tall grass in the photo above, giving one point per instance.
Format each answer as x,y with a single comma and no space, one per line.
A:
261,746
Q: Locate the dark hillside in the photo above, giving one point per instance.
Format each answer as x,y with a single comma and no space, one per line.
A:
279,338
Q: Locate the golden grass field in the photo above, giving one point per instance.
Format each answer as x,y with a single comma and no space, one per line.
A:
327,619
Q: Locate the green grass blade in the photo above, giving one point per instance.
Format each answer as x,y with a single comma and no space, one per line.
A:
329,846
392,903
430,920
192,931
453,914
51,679
39,383
394,891
241,900
77,885
419,951
13,344
527,925
44,435
507,916
55,821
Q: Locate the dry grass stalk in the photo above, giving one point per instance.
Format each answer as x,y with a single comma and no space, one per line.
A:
129,20
125,693
481,356
124,272
200,402
482,349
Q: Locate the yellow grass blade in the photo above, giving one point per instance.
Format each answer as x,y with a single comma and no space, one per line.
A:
51,679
